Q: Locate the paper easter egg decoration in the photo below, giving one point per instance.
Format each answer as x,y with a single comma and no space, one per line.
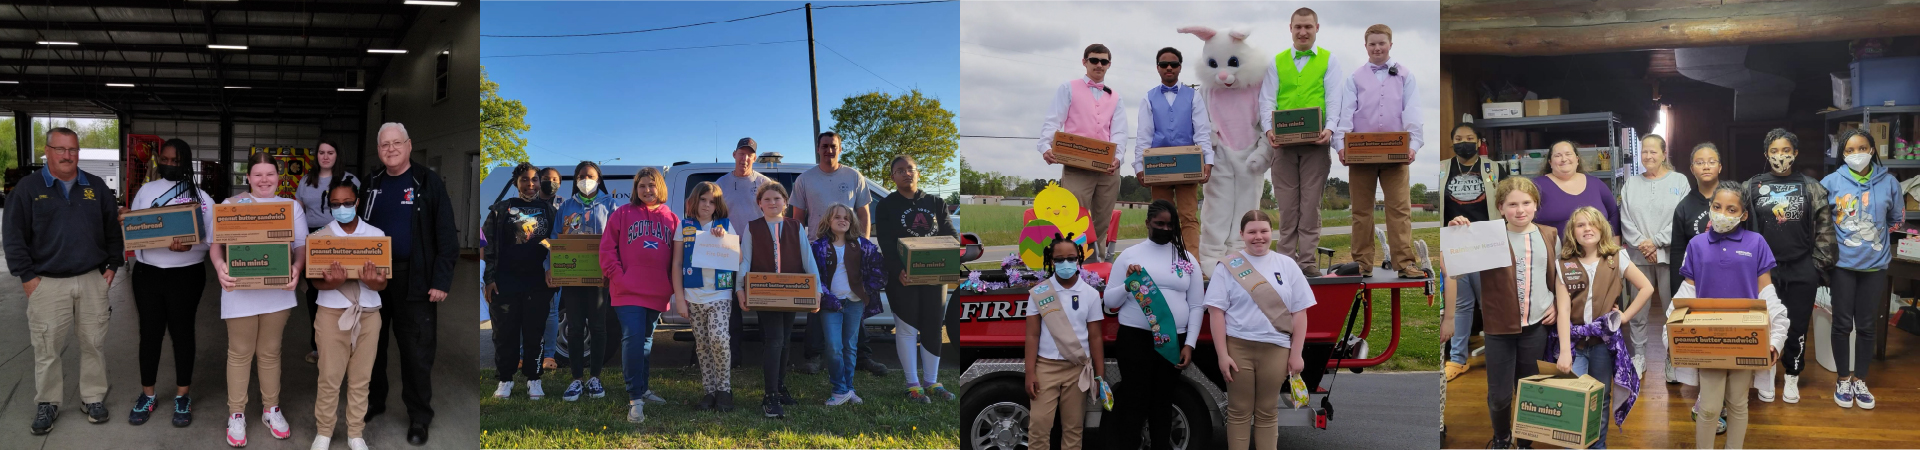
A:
1033,243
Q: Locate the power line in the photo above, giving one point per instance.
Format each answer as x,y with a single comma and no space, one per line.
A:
647,50
995,137
855,64
883,4
710,22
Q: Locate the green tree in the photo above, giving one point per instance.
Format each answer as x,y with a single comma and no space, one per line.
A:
8,152
875,127
1419,194
501,122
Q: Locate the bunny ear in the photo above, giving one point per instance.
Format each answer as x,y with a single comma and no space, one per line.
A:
1239,34
1204,33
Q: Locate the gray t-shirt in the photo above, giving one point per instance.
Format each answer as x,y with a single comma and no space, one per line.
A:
815,191
738,195
1530,272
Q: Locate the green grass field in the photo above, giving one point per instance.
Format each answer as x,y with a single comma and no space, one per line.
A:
886,420
1000,225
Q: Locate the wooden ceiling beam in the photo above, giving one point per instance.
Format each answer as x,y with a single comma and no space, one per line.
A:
1564,27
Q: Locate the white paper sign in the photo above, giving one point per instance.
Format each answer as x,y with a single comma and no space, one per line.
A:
710,252
1475,247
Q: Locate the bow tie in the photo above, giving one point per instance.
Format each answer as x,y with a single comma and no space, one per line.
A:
1099,86
1379,67
1169,89
1297,54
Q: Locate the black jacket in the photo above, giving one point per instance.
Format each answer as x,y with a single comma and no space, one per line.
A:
1793,213
62,235
1690,218
435,239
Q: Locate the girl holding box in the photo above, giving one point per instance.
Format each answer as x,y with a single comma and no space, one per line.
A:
346,327
773,244
637,259
917,309
587,311
850,293
257,318
702,295
1518,313
1739,261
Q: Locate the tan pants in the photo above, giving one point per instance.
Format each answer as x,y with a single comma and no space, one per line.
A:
1059,393
247,337
56,305
1393,179
1718,386
1096,192
340,357
1186,200
1299,179
1253,397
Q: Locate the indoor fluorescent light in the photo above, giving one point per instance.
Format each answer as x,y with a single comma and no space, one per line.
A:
56,43
351,89
385,50
227,47
9,82
238,87
432,3
119,85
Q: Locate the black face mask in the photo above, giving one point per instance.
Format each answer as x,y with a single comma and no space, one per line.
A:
171,172
546,188
1466,148
1159,236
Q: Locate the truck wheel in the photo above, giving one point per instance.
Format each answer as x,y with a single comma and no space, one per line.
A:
994,417
1192,426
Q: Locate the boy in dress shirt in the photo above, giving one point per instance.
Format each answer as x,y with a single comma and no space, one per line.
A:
1380,97
1087,107
1305,76
1175,115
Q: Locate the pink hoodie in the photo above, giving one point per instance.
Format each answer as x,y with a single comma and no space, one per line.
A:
636,255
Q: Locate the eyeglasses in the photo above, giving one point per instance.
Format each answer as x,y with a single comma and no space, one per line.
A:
341,205
1169,65
1100,61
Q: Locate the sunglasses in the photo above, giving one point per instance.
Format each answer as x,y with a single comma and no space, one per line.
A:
1100,61
1169,65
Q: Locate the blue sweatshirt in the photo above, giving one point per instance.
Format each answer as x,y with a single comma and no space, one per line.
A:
1863,214
577,217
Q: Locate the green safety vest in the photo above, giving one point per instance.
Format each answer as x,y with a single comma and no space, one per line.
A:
1301,88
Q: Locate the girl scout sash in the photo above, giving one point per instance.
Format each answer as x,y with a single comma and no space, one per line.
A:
1057,325
1154,306
1263,293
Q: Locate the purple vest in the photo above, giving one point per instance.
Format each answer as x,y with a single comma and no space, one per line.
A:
1379,101
1172,122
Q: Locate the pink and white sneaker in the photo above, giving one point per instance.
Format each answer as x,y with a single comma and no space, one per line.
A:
276,423
237,430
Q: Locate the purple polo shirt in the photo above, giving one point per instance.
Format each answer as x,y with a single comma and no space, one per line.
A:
1727,265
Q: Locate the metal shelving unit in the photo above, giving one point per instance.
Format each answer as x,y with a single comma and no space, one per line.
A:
1583,122
1864,114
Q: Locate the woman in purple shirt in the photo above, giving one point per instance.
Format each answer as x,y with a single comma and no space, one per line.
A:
1564,189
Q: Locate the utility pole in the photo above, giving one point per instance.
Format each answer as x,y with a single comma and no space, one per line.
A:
813,76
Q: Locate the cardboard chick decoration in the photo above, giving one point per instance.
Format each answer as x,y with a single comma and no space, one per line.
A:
1055,211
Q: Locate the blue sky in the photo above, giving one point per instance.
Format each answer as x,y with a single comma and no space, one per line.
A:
658,107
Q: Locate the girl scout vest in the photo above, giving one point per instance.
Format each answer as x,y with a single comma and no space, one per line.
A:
1500,290
690,276
1304,87
1087,116
1604,283
784,258
1172,122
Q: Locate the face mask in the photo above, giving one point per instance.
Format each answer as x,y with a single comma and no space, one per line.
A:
1159,236
1466,148
1066,269
546,188
343,214
586,186
1723,223
172,172
1780,162
1859,161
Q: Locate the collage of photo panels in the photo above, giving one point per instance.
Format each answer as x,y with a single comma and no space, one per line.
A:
1188,224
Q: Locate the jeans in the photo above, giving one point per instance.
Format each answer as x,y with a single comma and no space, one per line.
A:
842,330
636,346
1596,360
551,341
1466,298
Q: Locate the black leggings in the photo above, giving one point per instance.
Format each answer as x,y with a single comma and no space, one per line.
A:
1797,283
167,300
586,312
1857,304
1511,357
519,323
776,330
1145,396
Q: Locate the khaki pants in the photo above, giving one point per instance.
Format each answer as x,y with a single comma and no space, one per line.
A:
1393,179
341,357
56,305
1186,200
1719,386
1253,397
1096,192
1059,393
247,337
1299,179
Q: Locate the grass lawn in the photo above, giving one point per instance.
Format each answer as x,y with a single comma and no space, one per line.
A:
1419,330
1000,225
886,420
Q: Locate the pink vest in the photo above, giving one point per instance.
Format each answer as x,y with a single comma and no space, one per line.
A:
1379,101
1087,116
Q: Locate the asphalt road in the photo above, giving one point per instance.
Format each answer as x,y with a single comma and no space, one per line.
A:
1376,410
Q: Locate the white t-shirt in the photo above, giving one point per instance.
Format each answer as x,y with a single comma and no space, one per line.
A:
1183,292
1088,311
1591,269
332,298
149,193
841,288
1244,318
1532,256
253,302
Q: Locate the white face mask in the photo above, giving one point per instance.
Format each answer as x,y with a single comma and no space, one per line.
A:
1859,161
587,185
1723,223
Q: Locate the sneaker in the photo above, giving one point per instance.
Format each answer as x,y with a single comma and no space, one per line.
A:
786,397
237,430
636,412
533,390
1640,365
321,442
770,406
810,367
142,409
706,402
650,397
505,390
96,412
917,395
855,398
574,390
1455,370
723,401
357,444
594,389
840,399
1790,392
1765,392
182,411
276,423
43,418
1843,394
1500,443
313,357
1860,394
939,392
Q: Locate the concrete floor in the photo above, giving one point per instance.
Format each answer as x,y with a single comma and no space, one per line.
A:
455,426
